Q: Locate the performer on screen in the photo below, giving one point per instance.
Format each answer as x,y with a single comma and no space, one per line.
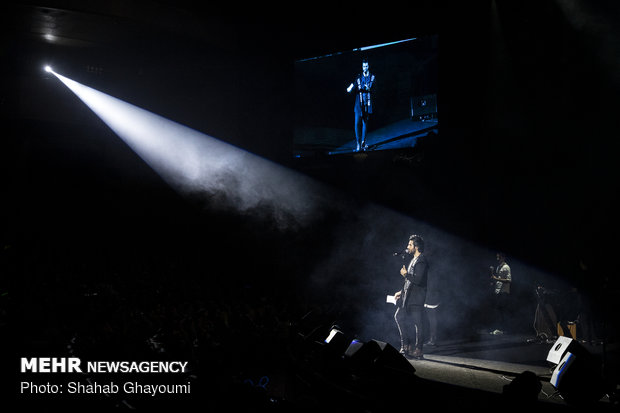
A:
410,300
363,104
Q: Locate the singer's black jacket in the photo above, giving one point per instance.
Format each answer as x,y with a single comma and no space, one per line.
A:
414,290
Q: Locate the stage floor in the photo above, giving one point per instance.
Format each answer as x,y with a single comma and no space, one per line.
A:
397,135
402,134
488,363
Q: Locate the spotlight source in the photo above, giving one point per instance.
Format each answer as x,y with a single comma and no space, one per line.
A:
48,69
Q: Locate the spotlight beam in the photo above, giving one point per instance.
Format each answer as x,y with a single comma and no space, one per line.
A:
196,164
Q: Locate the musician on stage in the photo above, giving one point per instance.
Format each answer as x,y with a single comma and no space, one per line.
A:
363,104
502,277
410,300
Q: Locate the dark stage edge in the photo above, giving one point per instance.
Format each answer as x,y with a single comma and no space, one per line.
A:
488,363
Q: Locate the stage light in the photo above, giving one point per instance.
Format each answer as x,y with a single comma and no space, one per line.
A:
198,165
48,69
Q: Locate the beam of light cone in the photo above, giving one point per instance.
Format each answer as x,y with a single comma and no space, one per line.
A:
194,163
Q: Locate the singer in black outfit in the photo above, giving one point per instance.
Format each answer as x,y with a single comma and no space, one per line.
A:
363,104
410,300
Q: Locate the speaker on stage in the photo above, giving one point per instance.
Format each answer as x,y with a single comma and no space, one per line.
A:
377,354
561,346
391,358
335,343
362,353
578,374
561,369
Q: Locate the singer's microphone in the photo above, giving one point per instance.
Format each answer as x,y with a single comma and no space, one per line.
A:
397,253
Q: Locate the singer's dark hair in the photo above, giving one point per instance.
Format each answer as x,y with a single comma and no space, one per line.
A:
417,242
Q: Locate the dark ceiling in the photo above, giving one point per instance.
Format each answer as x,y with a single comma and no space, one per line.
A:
526,158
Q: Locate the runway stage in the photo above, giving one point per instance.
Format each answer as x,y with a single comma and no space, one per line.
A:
402,134
397,135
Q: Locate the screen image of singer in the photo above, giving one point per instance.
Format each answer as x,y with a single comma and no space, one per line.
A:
394,86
